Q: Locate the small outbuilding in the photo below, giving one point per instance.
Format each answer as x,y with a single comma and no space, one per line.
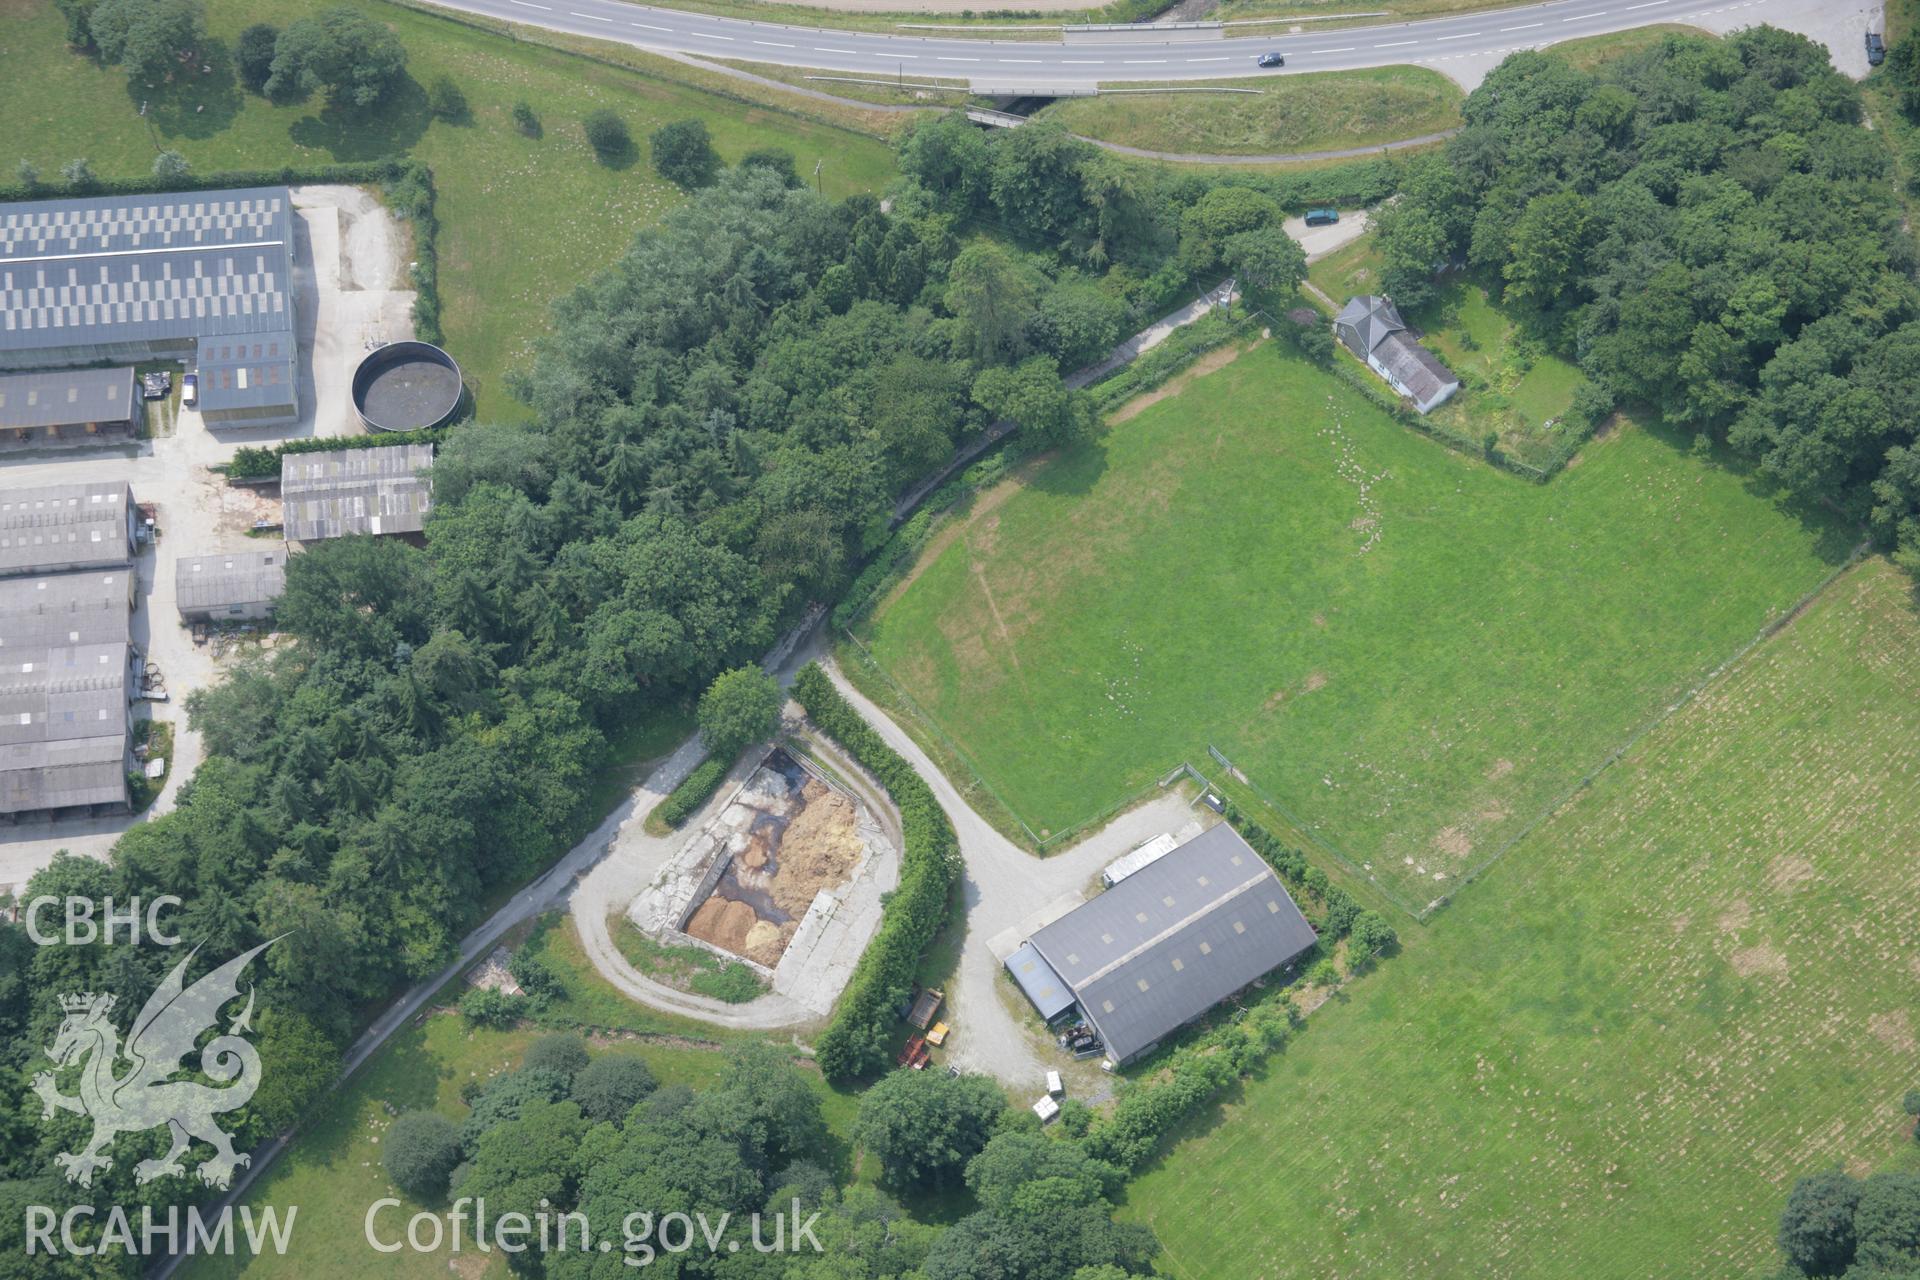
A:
1371,328
234,586
67,405
336,492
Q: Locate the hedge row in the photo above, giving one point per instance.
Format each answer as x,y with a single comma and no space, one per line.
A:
1148,1109
1154,366
857,1042
1335,908
146,184
694,790
251,462
410,193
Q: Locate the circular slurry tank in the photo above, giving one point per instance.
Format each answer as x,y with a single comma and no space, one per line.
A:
405,386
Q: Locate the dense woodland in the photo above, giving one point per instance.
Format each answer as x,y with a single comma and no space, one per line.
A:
1708,228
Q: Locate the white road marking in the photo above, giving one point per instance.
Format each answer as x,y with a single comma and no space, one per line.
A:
1465,35
528,4
1528,26
820,48
1648,5
773,44
1395,44
1209,59
708,35
591,16
647,26
1083,62
1347,49
1029,61
1142,62
943,59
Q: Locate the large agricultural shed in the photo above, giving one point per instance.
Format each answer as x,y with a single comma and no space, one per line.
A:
70,526
230,585
67,681
1166,944
336,492
202,276
58,404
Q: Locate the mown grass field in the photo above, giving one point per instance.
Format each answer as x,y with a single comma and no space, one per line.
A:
1290,114
523,220
1414,652
1617,1050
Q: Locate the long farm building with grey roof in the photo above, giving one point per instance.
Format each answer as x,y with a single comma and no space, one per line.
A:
70,526
68,675
204,276
61,404
1165,944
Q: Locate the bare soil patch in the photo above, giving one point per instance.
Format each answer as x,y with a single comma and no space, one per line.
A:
1786,873
1454,842
1759,960
1893,1029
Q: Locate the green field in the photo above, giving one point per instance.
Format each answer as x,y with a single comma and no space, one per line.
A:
1414,652
1290,114
522,220
1616,1051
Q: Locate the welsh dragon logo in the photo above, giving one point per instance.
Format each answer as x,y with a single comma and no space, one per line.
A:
144,1095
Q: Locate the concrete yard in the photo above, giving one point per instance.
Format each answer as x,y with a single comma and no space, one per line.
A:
787,876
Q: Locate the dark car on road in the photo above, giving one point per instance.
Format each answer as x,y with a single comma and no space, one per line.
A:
1876,49
1272,60
1322,217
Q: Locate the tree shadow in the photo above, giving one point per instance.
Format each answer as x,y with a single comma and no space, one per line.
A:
202,100
1073,471
389,127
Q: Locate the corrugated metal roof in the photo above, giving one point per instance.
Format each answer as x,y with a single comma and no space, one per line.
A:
65,608
88,271
66,677
65,398
1144,855
235,578
337,492
72,526
1173,939
1414,367
1050,995
252,371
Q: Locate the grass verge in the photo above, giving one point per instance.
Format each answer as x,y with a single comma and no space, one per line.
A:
692,969
1322,112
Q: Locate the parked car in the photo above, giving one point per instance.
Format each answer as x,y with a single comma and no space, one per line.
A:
1876,49
189,389
1272,60
1322,217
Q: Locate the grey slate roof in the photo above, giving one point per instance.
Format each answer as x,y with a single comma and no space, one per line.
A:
1173,939
72,526
111,269
1048,991
65,398
65,682
1414,367
1369,318
233,578
336,492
